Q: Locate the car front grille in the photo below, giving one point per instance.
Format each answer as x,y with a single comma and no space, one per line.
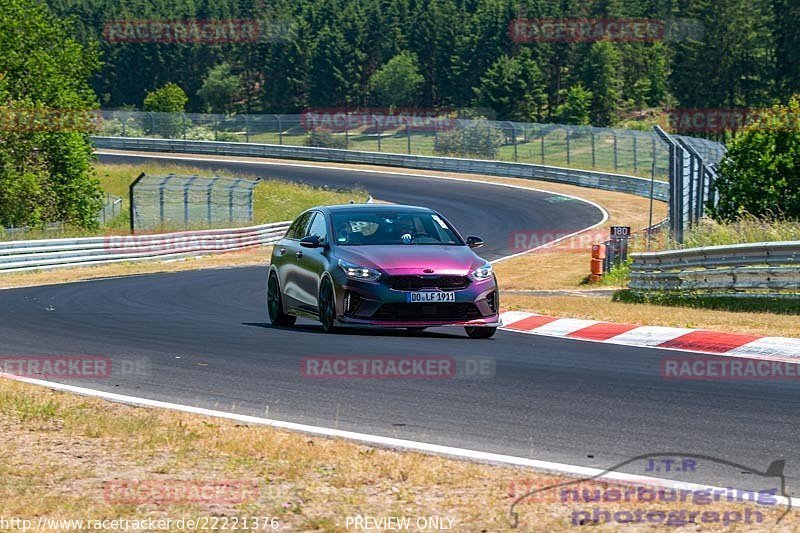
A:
427,311
414,283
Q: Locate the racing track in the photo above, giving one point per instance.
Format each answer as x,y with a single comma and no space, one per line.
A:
205,338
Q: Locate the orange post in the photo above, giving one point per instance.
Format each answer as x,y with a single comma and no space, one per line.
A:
598,255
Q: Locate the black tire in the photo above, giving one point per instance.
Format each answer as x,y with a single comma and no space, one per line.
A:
327,307
416,329
275,304
478,332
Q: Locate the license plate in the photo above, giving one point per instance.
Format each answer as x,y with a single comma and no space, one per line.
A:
430,296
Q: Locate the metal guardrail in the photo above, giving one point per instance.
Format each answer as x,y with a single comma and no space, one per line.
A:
764,268
621,151
585,178
16,256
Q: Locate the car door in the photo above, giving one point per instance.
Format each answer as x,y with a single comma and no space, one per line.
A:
313,262
287,260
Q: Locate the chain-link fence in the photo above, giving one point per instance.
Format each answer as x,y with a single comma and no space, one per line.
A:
620,151
181,201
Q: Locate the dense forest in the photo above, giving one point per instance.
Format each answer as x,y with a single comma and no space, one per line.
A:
453,54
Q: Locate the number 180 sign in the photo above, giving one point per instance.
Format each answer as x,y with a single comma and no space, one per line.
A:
620,232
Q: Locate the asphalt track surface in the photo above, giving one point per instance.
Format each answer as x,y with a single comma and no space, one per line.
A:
205,341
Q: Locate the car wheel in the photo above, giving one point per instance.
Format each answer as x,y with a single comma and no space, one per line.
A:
275,304
327,307
477,332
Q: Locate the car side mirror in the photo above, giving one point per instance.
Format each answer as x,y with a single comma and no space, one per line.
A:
312,241
474,242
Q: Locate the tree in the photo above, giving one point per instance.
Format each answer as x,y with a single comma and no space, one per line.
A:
512,87
45,101
168,99
577,107
398,82
760,174
602,76
220,88
167,103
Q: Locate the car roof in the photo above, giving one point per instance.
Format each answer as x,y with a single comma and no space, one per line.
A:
370,207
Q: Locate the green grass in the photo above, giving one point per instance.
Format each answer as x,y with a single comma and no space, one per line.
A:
711,233
749,229
273,200
552,150
760,304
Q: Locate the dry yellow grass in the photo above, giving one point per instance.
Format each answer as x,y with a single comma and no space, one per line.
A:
602,308
61,453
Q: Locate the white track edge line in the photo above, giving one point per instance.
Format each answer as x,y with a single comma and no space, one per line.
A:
377,440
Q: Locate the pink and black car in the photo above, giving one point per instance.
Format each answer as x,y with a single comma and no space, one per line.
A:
389,266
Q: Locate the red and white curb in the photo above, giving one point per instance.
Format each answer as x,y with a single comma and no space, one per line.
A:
685,339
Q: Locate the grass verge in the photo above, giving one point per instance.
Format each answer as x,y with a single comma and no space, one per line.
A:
65,457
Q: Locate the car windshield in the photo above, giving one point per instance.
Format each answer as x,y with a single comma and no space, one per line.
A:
357,228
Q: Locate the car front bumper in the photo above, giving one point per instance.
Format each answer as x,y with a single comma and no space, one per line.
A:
381,306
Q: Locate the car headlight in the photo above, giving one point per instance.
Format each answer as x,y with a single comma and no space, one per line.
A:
483,272
353,271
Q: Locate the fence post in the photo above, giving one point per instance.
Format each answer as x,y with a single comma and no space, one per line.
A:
408,137
280,130
566,138
514,137
246,128
616,156
347,130
186,187
594,159
635,162
183,124
541,143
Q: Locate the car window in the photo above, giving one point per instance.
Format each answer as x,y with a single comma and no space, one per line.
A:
318,227
298,228
392,227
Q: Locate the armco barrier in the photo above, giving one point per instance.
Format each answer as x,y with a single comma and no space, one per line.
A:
757,269
583,178
16,256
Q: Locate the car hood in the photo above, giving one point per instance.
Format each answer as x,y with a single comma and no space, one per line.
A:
414,259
